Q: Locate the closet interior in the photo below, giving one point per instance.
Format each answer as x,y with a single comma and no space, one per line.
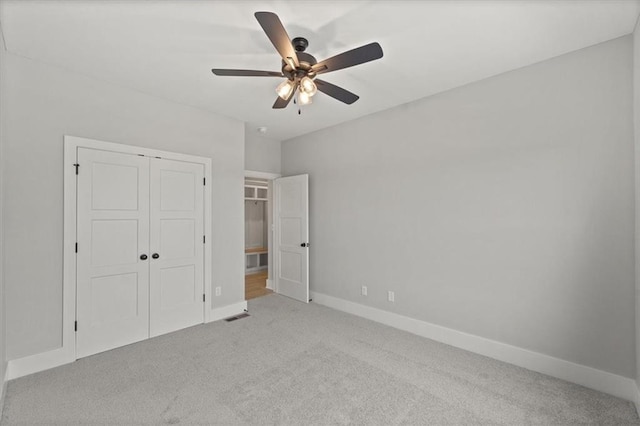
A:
256,225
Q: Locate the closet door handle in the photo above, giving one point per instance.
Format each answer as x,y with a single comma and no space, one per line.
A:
155,255
143,257
304,245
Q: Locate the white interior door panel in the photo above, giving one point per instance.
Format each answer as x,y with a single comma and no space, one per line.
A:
291,196
113,234
176,241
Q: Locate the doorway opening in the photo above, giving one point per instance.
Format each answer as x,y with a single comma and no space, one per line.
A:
282,222
258,234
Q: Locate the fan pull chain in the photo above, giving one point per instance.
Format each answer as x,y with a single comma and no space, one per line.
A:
294,102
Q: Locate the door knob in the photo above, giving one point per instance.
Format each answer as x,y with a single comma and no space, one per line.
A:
304,245
143,257
155,255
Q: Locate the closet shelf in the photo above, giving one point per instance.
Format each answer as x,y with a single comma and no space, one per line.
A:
255,193
256,250
256,261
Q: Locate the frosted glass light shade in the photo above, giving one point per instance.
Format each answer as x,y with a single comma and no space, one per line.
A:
308,86
284,89
304,98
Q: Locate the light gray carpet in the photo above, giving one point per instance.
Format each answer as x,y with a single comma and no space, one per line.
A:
296,364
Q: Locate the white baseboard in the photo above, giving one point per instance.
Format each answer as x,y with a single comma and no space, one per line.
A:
270,284
38,362
603,381
636,400
227,311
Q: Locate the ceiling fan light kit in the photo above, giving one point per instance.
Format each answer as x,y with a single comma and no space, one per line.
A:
304,98
301,69
308,86
285,89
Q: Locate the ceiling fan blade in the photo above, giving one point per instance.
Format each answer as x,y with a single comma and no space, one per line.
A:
246,73
274,29
336,92
282,103
357,56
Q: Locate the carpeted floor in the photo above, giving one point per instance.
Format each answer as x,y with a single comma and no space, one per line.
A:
296,364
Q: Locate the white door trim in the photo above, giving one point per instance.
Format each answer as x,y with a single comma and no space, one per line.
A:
261,175
71,143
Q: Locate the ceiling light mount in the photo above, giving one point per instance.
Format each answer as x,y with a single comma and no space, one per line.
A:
300,44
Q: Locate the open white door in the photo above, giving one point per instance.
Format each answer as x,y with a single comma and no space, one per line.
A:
291,202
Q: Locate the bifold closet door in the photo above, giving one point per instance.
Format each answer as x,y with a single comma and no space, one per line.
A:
112,253
177,246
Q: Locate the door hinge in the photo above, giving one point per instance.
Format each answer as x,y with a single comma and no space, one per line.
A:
204,181
75,326
76,247
204,241
77,166
203,296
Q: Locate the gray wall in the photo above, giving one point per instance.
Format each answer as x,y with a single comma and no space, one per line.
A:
3,358
636,120
43,103
504,208
262,154
255,224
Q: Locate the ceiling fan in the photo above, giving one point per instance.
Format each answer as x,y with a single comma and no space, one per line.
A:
300,69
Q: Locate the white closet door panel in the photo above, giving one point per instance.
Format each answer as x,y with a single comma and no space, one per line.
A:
107,235
113,231
177,229
292,233
178,238
177,189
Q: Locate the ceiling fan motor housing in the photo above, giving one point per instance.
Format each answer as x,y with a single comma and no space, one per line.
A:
305,60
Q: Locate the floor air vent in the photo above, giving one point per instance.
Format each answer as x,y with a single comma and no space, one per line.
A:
237,317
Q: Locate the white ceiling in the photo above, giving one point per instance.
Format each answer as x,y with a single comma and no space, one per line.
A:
167,48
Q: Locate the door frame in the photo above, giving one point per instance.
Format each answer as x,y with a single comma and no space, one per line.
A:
71,144
271,260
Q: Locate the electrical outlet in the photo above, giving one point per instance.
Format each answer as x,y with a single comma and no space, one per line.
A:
391,296
218,291
364,290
